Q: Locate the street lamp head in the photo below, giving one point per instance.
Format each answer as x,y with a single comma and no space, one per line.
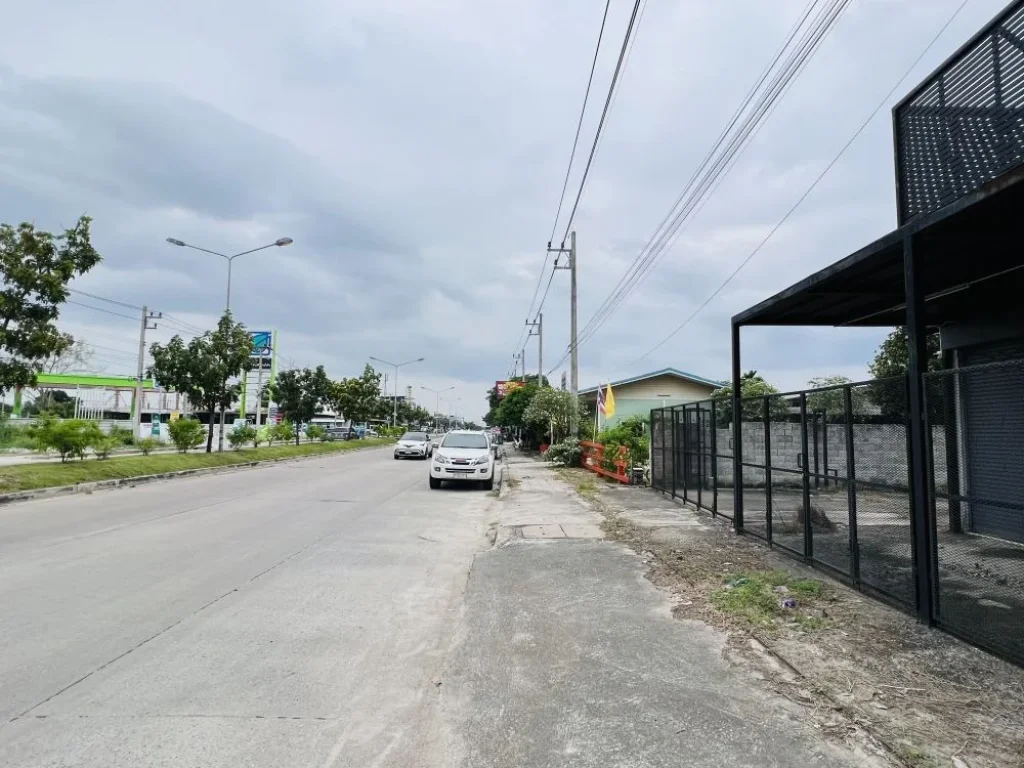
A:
284,241
174,241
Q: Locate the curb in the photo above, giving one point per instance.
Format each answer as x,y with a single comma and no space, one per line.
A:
121,482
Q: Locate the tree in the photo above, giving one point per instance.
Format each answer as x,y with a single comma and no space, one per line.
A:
203,368
69,437
892,361
550,413
76,356
755,388
493,401
52,401
833,402
35,269
509,413
357,399
299,395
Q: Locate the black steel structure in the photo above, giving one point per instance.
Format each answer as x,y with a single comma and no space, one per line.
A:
910,488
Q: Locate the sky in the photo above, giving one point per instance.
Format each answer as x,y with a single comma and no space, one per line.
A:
414,150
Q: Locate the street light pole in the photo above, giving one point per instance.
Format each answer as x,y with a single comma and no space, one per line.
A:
437,400
396,366
281,241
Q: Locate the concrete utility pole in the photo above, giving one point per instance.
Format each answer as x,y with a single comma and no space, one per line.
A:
537,327
574,368
140,373
574,364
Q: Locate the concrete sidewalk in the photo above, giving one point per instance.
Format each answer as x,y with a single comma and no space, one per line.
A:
570,657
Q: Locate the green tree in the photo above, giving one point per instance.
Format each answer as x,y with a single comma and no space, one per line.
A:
550,413
300,394
509,413
35,269
892,360
751,386
186,434
203,368
357,399
833,402
240,436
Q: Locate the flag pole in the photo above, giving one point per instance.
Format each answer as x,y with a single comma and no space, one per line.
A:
597,413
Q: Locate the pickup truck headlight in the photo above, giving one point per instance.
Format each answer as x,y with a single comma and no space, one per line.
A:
482,460
440,459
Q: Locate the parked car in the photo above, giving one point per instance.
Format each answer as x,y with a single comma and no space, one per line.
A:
463,456
415,445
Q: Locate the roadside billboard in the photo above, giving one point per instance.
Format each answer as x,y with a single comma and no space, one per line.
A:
503,388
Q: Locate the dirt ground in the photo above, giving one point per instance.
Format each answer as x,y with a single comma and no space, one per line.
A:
856,664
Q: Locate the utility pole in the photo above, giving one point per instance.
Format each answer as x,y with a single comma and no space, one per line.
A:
146,317
537,329
574,370
574,367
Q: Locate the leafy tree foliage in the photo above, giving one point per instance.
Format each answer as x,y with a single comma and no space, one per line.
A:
357,399
299,394
69,438
550,413
892,359
203,368
751,386
35,269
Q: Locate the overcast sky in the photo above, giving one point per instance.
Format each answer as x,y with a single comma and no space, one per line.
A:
415,150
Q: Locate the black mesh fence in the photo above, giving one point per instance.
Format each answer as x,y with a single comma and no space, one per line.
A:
976,504
825,479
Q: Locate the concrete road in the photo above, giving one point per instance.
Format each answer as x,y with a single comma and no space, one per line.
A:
297,615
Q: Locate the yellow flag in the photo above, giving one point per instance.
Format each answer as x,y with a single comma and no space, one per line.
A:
609,403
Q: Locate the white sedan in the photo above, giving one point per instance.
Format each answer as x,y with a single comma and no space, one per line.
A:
463,456
414,445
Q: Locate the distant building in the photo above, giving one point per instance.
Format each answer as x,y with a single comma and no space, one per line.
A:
637,395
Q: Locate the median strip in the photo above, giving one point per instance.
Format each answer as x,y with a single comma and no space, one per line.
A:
22,481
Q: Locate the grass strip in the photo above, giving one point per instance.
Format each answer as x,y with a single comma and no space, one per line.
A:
27,477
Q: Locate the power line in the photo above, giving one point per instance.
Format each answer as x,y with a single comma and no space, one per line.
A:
720,159
188,327
813,185
100,309
604,115
103,298
723,159
579,125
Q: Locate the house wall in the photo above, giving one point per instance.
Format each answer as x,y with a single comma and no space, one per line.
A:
638,398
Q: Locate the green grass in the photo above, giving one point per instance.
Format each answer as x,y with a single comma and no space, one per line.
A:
754,597
25,477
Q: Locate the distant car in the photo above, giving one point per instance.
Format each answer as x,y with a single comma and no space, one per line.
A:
415,445
463,456
342,433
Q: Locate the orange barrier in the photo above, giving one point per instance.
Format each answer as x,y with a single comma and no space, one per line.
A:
594,459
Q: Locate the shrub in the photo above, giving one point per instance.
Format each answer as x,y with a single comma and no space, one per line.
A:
240,436
147,444
283,431
68,438
264,434
567,452
186,433
316,432
102,446
631,434
121,435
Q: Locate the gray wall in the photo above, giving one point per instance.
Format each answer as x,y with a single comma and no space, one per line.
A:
880,452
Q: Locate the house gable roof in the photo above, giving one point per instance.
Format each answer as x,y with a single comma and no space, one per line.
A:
654,374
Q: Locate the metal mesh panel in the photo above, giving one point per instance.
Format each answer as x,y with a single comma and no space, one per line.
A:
829,489
884,534
965,125
658,463
976,429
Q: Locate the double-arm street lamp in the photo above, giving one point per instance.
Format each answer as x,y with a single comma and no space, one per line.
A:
437,400
396,366
181,244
